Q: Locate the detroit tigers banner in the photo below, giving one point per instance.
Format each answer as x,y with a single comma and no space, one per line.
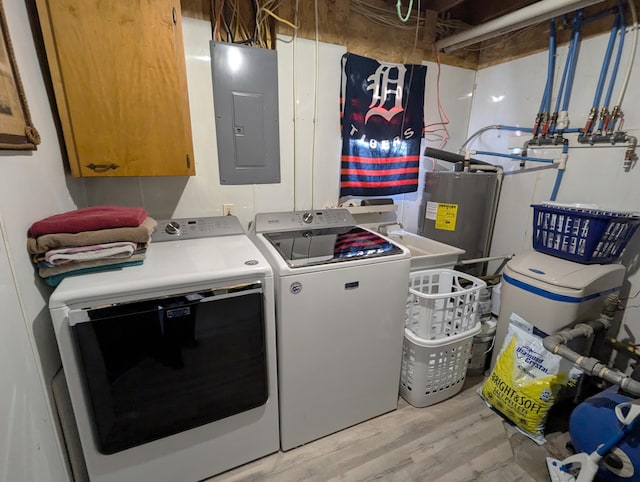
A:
382,121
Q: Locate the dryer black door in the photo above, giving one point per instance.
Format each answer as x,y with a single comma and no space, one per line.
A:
157,367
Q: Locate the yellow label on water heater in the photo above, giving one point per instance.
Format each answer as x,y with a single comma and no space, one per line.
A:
446,216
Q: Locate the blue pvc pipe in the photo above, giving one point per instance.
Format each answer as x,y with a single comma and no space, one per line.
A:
552,62
605,64
575,39
514,128
559,175
622,22
565,73
545,104
566,83
556,186
565,91
515,156
564,77
616,64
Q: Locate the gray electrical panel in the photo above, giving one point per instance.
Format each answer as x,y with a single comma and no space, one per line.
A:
245,95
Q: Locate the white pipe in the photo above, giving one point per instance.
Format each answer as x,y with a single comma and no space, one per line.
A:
632,57
530,15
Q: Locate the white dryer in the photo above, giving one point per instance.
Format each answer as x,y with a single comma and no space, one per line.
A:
171,365
341,292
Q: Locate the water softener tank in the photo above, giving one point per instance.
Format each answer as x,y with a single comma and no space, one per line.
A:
459,209
553,293
593,422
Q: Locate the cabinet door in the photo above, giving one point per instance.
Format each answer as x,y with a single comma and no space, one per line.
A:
119,77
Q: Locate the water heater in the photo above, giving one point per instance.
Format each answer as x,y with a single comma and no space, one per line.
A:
459,209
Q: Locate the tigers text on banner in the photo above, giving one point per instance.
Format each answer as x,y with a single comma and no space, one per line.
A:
382,121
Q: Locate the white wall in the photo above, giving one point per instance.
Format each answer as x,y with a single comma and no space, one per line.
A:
33,185
28,448
510,94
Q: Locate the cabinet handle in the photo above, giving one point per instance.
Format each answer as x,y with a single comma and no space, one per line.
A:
102,167
175,15
188,161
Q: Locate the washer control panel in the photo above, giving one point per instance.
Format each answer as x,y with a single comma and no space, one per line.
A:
295,220
192,228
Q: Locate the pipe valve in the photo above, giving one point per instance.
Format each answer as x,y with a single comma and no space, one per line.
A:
630,156
563,120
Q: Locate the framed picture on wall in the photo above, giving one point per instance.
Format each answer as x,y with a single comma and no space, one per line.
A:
16,128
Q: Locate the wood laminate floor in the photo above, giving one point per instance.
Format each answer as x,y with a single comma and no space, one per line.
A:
459,439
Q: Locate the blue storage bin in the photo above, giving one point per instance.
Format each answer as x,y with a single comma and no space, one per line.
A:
582,235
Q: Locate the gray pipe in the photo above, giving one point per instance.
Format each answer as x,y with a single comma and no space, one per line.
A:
557,344
494,212
463,147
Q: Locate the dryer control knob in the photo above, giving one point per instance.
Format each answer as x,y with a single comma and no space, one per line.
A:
172,227
307,217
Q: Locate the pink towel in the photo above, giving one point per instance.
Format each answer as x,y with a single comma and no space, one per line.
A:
140,234
89,219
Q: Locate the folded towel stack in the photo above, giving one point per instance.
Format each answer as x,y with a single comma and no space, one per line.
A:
87,240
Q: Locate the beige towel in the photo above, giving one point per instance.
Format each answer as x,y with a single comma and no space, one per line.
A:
46,242
65,268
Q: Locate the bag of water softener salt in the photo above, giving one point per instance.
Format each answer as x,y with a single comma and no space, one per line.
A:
526,379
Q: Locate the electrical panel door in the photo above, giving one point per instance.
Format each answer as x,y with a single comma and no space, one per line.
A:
245,95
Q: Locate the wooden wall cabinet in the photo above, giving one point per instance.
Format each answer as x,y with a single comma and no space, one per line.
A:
119,77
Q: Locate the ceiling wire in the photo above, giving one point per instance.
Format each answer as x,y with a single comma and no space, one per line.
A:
381,15
294,93
415,40
315,98
229,25
398,8
499,40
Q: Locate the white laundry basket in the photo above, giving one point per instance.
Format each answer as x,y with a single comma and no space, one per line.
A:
434,370
441,321
442,303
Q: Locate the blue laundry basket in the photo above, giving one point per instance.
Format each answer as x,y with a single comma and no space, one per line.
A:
587,236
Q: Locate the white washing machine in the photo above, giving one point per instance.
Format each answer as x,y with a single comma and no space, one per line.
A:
171,365
341,292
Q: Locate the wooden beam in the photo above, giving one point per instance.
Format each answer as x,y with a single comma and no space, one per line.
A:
200,9
441,5
337,24
475,12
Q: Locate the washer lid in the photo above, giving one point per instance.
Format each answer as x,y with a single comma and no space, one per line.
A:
565,274
169,266
330,245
